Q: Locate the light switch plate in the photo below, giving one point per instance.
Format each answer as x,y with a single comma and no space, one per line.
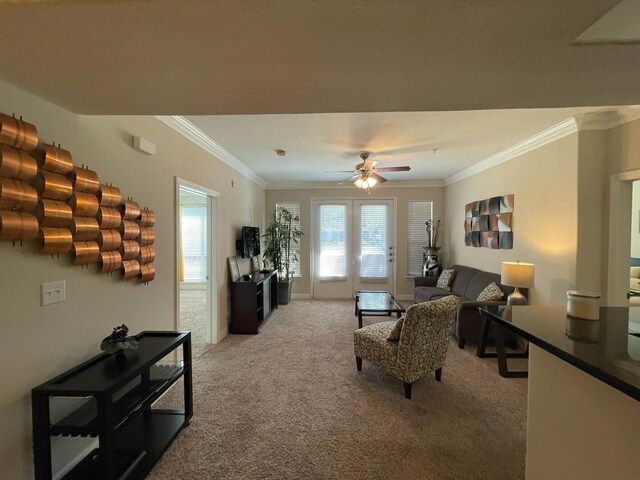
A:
53,292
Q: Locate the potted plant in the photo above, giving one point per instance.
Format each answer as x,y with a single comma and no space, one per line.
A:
281,240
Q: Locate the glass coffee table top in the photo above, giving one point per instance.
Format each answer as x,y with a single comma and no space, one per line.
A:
378,301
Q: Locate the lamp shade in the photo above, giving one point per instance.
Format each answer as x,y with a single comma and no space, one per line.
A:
517,274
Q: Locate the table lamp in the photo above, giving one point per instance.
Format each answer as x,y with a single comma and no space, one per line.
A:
517,274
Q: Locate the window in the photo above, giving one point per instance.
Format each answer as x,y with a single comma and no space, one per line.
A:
419,211
373,241
333,241
194,242
294,210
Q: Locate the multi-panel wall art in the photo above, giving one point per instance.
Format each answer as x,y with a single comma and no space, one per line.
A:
44,196
487,223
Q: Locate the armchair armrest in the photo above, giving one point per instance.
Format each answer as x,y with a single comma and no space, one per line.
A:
425,281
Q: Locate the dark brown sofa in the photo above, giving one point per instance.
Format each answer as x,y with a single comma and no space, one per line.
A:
467,284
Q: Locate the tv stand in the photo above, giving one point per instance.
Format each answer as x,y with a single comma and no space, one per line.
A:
253,301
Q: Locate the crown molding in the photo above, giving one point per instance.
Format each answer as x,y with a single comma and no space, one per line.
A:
333,185
187,129
606,120
558,131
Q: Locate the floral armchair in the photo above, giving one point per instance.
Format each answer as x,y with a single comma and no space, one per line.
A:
412,346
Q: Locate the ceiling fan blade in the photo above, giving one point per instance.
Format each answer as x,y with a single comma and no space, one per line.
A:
393,169
369,164
339,171
352,177
379,178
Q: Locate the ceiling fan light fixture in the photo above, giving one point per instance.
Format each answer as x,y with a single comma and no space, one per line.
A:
365,182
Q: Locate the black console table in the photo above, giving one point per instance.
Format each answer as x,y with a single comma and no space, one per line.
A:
252,301
111,397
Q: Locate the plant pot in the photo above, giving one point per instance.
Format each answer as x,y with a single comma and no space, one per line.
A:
284,292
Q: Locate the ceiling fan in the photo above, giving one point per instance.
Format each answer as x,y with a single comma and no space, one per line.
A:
366,174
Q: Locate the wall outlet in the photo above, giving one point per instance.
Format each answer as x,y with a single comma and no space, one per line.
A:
53,292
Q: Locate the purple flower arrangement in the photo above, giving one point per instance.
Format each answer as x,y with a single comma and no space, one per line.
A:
119,341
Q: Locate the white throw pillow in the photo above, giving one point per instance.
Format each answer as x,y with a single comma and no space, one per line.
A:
445,279
492,292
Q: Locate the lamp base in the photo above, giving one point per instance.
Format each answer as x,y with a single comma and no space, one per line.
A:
516,298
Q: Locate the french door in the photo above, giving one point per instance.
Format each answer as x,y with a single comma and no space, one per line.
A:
353,247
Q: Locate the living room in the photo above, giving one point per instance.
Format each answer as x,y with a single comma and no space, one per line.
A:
566,209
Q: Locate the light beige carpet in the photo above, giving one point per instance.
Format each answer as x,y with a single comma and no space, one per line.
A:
192,318
289,404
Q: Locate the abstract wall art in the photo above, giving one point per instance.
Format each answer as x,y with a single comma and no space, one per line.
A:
487,223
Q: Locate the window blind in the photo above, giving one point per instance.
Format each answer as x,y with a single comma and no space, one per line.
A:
419,211
373,241
194,242
294,210
333,240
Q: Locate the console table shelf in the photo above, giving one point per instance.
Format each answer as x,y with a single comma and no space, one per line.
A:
253,301
110,397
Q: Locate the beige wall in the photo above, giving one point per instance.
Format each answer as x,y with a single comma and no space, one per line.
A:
544,182
302,286
40,342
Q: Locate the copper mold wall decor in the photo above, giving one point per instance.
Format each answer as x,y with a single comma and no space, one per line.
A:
44,195
18,226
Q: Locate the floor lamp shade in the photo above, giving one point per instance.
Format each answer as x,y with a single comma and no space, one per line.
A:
518,275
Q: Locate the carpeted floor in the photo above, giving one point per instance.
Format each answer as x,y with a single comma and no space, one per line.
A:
289,404
192,318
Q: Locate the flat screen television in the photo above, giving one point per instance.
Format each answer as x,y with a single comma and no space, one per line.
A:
250,242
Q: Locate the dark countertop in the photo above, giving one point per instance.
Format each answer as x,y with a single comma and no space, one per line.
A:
606,349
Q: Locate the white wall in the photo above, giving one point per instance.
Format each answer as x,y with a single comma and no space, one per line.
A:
302,285
40,342
544,183
635,221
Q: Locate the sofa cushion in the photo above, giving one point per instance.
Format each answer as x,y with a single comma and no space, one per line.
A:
492,292
445,279
426,294
394,336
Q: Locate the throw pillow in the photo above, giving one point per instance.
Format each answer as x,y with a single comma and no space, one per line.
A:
445,279
394,336
492,292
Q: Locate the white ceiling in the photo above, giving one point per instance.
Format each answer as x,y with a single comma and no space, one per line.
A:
316,143
443,60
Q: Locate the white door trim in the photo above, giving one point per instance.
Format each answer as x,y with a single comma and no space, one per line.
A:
213,243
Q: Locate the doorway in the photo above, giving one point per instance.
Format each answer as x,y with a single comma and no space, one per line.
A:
196,264
353,247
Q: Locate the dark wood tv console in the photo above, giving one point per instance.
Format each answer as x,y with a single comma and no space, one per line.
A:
253,301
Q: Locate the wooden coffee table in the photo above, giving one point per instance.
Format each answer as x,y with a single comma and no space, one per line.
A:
376,303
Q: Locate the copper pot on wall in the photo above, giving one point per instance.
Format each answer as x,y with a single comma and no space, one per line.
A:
109,218
52,213
109,240
130,210
57,160
16,195
147,218
53,186
129,230
110,261
17,133
147,255
147,237
84,204
18,226
17,165
129,250
84,180
130,269
109,196
147,273
55,240
85,253
84,228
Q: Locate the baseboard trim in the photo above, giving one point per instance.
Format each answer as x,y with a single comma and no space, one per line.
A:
301,296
